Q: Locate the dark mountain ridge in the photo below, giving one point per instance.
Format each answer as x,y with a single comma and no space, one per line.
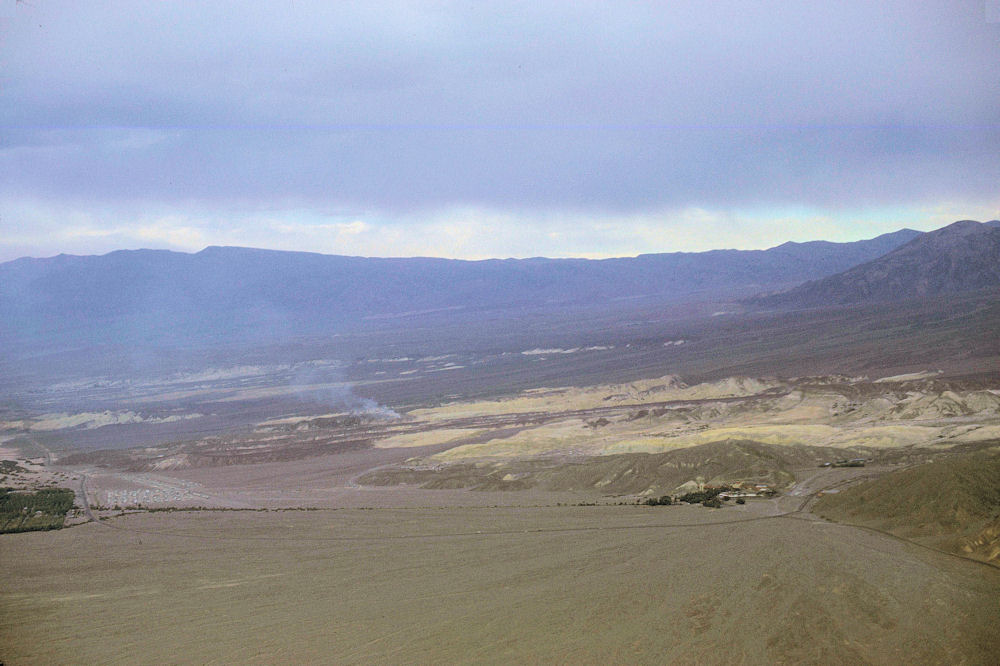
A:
142,297
963,256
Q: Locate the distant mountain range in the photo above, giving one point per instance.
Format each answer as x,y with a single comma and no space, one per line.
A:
231,294
963,256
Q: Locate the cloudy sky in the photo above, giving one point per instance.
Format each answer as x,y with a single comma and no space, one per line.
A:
480,129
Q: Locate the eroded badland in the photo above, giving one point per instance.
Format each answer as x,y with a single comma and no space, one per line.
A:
515,529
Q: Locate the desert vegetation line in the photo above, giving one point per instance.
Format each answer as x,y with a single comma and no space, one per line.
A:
447,535
796,513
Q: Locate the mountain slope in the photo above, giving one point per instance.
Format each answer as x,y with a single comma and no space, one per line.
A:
238,294
963,256
952,503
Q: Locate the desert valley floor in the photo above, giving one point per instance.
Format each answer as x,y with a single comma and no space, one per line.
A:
482,584
515,529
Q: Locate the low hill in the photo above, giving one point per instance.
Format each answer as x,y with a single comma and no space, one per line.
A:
952,503
715,463
961,257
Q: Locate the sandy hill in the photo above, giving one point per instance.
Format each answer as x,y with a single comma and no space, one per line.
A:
953,503
683,470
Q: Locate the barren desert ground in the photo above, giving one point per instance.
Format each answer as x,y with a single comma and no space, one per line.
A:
606,584
509,530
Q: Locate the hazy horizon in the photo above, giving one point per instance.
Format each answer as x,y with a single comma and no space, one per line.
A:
402,129
495,258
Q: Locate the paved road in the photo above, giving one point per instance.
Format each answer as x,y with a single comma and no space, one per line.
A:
50,459
83,497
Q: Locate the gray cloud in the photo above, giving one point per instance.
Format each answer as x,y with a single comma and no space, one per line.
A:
404,107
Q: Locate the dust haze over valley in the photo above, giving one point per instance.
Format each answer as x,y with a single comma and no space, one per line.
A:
441,333
446,436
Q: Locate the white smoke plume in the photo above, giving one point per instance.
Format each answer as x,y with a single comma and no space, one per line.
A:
326,385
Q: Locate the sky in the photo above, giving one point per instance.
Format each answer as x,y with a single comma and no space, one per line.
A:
492,129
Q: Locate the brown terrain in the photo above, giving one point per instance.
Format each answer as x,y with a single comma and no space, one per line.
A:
952,503
511,529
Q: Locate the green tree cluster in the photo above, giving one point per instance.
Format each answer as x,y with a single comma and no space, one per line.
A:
43,509
700,496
